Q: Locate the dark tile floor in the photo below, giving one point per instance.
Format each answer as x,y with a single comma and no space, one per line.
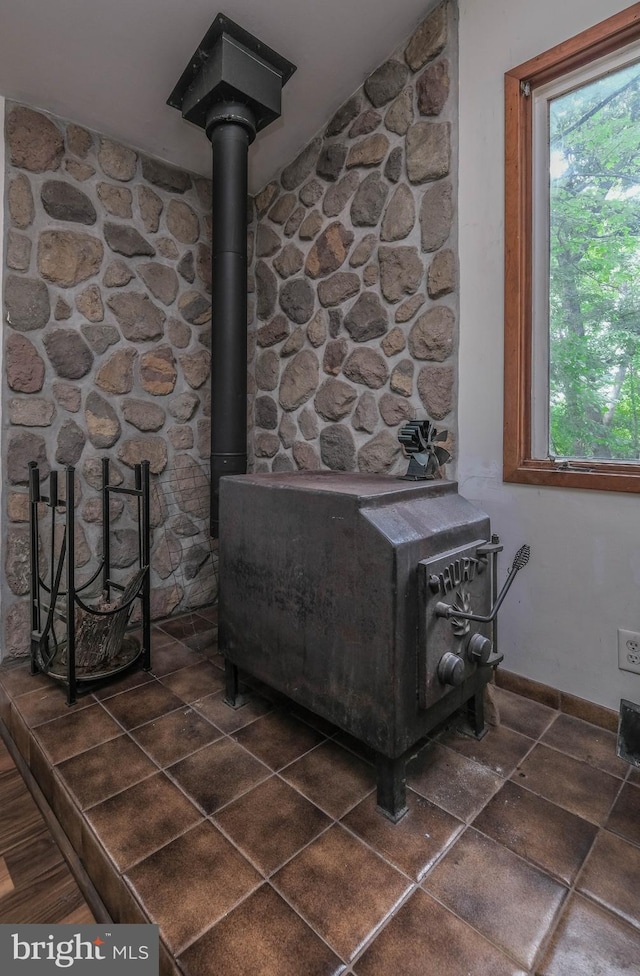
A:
251,836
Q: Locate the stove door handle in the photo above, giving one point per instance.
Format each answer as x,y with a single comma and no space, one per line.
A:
520,560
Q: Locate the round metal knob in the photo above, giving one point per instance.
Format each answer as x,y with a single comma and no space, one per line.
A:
479,649
451,669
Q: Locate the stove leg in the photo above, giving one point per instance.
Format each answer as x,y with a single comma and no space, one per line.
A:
475,715
233,695
392,787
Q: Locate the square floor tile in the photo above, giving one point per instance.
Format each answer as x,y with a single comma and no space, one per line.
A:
141,705
271,823
572,784
205,642
207,645
506,899
46,703
586,742
277,739
416,842
634,776
134,823
184,626
523,714
217,774
192,882
67,736
196,681
342,889
209,613
332,778
133,679
611,876
501,749
424,939
263,937
105,770
591,942
158,637
229,719
172,656
545,834
624,819
18,680
455,783
175,735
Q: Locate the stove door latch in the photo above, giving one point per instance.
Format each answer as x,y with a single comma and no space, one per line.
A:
442,609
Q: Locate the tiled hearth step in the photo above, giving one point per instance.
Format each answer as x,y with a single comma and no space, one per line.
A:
251,836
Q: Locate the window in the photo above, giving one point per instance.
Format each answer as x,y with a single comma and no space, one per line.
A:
572,262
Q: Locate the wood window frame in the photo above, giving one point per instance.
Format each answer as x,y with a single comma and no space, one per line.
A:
518,464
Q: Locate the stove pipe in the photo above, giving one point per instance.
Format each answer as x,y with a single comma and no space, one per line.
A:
231,88
230,127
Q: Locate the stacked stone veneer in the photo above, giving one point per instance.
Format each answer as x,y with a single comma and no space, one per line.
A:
355,272
106,350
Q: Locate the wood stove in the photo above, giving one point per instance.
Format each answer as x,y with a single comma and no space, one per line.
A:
354,595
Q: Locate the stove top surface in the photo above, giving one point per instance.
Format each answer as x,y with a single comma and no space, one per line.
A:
347,483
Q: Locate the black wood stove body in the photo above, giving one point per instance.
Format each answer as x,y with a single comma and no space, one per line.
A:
343,591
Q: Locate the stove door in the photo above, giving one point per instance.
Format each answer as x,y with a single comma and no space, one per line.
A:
450,649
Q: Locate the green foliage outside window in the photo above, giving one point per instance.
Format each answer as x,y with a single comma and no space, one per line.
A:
594,270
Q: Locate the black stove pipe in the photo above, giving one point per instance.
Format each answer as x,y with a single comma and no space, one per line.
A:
231,88
230,127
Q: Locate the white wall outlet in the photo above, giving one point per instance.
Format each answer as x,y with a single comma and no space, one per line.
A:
629,651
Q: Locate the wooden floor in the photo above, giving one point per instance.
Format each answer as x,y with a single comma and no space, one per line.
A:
36,885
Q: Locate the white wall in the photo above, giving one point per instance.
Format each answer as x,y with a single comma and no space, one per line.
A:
559,624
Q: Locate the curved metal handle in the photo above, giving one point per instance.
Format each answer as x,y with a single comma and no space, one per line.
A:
520,560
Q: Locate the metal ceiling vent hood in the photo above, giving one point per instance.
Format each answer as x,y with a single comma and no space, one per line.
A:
231,88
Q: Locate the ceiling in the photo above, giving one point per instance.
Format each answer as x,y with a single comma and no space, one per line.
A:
110,65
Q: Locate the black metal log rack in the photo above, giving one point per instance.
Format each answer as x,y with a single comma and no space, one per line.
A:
66,630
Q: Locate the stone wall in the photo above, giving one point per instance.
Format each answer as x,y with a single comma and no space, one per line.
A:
355,272
353,313
106,350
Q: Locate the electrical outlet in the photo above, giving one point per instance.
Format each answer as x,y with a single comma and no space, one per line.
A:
629,651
